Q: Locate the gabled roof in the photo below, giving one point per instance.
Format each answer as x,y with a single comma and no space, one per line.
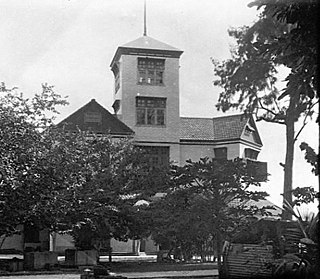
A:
229,127
102,121
223,128
147,42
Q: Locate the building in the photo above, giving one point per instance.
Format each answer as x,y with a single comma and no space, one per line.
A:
146,108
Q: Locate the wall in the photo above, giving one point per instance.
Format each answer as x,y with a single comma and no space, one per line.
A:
124,247
61,242
12,242
197,151
170,90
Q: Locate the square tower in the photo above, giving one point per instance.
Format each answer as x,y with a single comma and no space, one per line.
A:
146,92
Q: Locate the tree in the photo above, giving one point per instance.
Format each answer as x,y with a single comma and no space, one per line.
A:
22,147
110,176
206,199
65,180
306,234
284,35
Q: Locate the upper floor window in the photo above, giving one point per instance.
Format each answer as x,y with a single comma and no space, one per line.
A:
221,153
250,153
248,130
116,73
150,71
151,111
117,83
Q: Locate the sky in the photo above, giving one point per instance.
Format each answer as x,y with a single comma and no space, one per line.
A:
70,44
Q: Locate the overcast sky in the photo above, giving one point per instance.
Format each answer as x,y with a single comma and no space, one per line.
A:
70,44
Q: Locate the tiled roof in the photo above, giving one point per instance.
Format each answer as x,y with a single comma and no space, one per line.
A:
274,213
146,42
261,203
196,128
107,124
229,127
219,128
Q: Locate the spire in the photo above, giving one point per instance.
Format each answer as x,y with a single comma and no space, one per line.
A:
145,19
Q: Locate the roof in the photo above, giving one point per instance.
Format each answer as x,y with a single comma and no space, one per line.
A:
196,128
146,45
228,127
146,42
274,212
102,121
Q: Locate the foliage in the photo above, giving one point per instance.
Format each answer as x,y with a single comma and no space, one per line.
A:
307,226
67,181
311,157
109,178
22,147
206,200
284,36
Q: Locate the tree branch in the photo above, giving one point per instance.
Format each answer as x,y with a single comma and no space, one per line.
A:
305,120
268,110
259,118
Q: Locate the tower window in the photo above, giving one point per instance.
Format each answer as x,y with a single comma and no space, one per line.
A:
116,73
150,71
117,83
151,111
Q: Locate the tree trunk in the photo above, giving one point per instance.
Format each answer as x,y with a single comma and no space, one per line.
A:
288,167
218,246
109,250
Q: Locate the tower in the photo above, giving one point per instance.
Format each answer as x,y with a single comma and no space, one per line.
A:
146,92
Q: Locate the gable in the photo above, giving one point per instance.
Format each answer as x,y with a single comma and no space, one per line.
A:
229,127
93,117
250,132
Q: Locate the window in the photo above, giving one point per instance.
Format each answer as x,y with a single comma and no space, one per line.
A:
150,71
157,155
92,117
117,83
116,73
151,111
248,130
116,106
221,153
250,153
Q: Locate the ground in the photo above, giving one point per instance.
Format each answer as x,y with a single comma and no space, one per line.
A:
131,275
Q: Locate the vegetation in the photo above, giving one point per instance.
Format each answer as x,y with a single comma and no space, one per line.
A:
206,201
67,181
283,36
24,170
